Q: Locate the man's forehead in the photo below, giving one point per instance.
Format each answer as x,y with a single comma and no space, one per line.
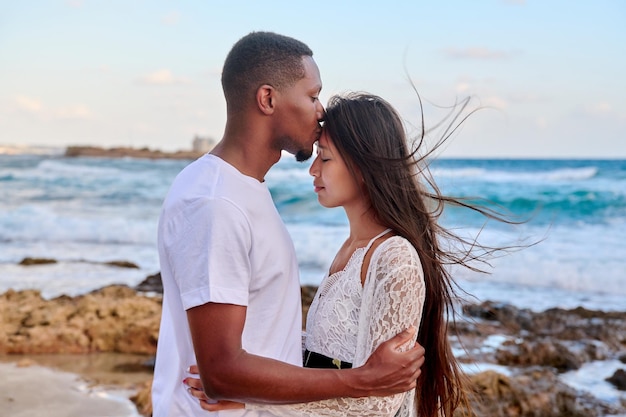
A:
312,72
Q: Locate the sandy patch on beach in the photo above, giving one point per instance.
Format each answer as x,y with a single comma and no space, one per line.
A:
36,391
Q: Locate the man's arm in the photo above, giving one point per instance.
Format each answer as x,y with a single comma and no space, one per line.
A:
230,373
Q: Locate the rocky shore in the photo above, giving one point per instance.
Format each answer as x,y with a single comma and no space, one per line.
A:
120,152
527,350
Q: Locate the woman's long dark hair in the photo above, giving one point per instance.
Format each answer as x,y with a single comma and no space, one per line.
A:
370,136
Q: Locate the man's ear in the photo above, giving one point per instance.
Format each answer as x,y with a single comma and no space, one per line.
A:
266,98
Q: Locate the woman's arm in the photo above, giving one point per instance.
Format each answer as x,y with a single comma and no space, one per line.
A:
228,372
393,299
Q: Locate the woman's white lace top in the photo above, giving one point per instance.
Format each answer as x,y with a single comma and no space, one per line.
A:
348,321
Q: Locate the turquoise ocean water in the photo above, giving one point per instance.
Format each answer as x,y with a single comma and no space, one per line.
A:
84,211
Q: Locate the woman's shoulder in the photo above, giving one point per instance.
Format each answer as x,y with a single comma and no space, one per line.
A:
396,259
396,246
396,241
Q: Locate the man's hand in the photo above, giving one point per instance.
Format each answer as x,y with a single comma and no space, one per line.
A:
195,389
392,369
228,372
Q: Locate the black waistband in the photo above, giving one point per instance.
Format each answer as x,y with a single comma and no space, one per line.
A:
317,360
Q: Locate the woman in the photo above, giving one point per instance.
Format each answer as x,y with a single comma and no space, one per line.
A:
389,274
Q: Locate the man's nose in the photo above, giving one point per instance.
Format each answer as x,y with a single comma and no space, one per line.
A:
320,112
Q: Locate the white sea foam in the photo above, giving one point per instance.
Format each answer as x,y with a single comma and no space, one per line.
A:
294,174
101,210
591,377
46,223
64,168
86,211
458,172
67,278
559,175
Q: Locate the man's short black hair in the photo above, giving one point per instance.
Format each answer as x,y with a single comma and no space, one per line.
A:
261,58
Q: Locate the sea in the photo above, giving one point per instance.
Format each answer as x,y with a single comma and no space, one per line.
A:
567,248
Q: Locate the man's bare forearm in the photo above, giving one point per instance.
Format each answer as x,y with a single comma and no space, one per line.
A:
230,373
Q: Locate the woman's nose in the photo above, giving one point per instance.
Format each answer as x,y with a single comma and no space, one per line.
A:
313,170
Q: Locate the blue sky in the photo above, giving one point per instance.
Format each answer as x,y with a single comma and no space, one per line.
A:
549,74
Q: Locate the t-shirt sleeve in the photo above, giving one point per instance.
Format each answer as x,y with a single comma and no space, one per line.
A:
208,250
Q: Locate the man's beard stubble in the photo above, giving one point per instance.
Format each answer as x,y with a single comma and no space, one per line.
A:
303,155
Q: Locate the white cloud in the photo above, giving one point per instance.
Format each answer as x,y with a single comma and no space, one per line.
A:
162,77
28,104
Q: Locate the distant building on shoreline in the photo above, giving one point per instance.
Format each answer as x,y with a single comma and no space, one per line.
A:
202,144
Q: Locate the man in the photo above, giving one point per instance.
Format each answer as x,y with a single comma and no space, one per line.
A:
230,275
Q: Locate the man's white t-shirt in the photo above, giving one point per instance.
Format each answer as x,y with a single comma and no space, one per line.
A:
221,239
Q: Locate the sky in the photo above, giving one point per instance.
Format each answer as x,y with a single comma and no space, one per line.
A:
548,77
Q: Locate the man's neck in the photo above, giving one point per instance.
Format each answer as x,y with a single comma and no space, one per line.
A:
248,160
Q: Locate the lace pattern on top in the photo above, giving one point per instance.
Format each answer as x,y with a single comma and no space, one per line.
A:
349,322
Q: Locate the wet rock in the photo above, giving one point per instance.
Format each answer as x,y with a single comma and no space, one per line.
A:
152,283
37,261
143,399
536,346
508,316
618,379
533,393
543,353
572,325
122,264
28,261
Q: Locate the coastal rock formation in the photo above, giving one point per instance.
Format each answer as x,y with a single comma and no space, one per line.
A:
28,261
151,284
618,379
535,347
534,392
143,399
121,152
556,338
37,261
112,319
